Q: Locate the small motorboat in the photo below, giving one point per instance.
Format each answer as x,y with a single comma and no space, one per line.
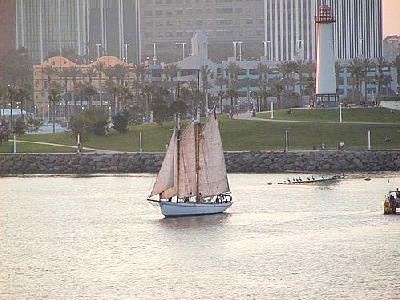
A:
391,204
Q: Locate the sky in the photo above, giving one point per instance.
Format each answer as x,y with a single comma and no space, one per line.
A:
391,17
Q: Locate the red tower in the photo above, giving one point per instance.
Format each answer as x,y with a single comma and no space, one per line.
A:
7,26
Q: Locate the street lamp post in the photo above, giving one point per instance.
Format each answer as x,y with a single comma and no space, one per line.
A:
234,49
98,50
267,50
240,50
183,49
154,54
11,106
361,48
126,51
299,50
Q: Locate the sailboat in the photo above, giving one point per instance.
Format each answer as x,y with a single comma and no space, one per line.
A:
192,179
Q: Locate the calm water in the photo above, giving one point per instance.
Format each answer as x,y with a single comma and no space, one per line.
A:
96,238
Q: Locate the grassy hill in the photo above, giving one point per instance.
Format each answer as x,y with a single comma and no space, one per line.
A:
33,148
371,115
244,135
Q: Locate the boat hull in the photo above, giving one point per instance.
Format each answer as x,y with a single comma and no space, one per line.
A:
173,209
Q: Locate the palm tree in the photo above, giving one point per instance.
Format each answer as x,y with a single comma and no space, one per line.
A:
90,73
141,71
100,69
170,72
367,65
205,72
85,91
263,82
338,69
147,93
233,82
74,74
232,92
124,93
49,71
380,78
288,69
64,74
305,71
221,83
117,72
357,72
277,90
22,95
55,90
120,73
258,95
114,89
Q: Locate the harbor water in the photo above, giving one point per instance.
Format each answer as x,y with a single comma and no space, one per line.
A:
96,237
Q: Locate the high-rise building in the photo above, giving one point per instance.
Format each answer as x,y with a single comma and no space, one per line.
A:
167,22
113,28
290,28
130,28
358,30
391,47
48,26
7,26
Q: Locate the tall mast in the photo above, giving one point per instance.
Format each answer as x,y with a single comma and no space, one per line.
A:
197,151
178,137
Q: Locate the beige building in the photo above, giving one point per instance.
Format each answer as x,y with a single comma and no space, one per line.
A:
70,76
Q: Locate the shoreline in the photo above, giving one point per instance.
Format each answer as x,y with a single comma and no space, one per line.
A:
236,162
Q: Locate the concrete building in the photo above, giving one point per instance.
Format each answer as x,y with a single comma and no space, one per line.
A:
290,28
48,26
7,26
358,30
391,47
112,29
167,22
130,28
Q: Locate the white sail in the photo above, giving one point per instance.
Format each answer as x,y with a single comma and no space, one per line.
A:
187,163
212,169
178,174
165,183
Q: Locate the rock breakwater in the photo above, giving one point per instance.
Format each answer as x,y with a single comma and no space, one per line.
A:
237,162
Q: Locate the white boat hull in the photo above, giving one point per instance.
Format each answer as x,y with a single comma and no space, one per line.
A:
173,209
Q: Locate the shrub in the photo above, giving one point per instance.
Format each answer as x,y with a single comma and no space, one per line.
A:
20,126
120,122
91,121
160,111
178,107
34,124
4,131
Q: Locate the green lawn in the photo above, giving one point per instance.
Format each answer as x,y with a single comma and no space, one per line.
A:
33,148
378,115
247,135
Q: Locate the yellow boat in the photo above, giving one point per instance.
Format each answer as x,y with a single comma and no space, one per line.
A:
391,204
